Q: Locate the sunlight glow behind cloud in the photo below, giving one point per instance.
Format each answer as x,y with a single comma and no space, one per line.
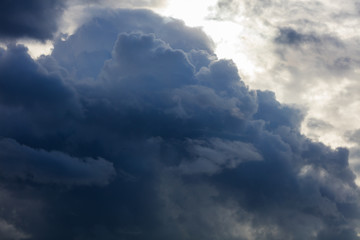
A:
248,41
244,31
133,128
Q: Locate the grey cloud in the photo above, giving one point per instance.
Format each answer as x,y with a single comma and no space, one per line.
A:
24,82
28,93
40,166
134,52
353,136
41,19
9,232
184,216
278,142
36,19
198,154
121,3
290,36
224,10
317,128
305,51
213,155
101,32
314,123
313,47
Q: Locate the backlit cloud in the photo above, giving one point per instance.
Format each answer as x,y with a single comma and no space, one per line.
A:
304,51
133,129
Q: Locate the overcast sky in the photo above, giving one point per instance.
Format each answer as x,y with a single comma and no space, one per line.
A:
155,119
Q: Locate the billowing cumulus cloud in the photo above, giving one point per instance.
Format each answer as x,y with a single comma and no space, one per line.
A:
24,82
100,34
133,129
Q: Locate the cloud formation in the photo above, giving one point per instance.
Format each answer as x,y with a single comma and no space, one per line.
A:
133,129
25,163
9,232
36,19
306,52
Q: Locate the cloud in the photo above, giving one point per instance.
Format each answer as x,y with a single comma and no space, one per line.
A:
224,10
213,155
9,232
24,82
304,51
122,3
36,19
354,136
22,162
290,36
198,154
100,34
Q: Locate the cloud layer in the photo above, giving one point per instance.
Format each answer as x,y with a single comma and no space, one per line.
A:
133,129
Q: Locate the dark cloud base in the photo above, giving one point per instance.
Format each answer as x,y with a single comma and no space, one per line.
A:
133,129
37,19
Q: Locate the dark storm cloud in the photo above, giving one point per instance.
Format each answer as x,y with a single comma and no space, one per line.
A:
30,19
24,82
9,232
122,3
22,162
197,154
215,154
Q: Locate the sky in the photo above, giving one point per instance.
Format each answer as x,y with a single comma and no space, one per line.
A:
169,119
304,51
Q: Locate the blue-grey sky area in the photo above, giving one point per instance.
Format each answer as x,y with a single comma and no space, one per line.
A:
133,128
